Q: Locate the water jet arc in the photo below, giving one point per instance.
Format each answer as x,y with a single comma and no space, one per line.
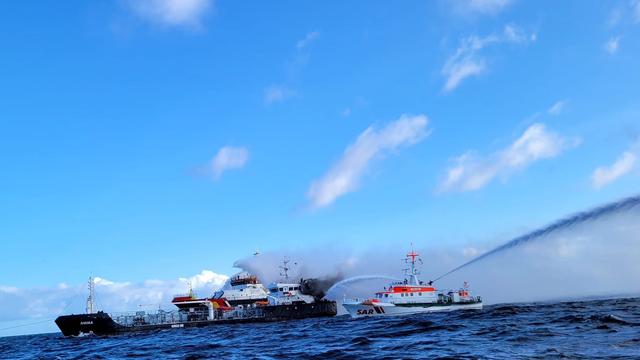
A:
581,217
359,278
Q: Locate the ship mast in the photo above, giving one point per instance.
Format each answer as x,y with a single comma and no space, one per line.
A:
191,293
91,297
285,269
411,258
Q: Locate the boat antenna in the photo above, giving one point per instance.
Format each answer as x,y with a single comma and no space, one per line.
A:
91,297
191,294
412,258
285,268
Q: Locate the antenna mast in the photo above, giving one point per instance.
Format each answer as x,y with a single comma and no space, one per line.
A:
191,294
285,268
411,258
91,297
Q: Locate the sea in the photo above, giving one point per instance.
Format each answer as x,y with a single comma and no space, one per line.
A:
608,328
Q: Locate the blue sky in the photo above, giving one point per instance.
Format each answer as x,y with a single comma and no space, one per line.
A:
154,139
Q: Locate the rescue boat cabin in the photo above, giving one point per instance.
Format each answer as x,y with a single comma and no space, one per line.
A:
411,290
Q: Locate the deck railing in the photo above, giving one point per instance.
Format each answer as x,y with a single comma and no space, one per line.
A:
141,318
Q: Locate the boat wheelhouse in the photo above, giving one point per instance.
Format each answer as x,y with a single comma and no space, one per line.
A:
245,289
285,292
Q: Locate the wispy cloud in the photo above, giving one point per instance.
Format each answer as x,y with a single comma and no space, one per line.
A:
557,107
228,158
308,39
611,46
359,102
172,12
344,176
605,175
472,172
488,6
478,7
277,93
467,61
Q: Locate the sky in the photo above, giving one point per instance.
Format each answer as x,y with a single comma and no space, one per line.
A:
152,140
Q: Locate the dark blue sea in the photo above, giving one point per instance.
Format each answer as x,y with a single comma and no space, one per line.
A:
575,330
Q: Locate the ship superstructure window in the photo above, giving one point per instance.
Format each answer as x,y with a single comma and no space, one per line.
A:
386,295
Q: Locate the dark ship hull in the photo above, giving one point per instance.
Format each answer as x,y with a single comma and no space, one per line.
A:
102,323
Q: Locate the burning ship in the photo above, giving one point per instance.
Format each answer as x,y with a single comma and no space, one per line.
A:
247,300
412,296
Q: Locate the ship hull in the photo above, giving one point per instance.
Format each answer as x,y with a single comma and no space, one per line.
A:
102,324
99,323
357,310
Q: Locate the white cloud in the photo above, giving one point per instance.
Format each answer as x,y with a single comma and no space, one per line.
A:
605,175
277,93
636,10
471,172
172,12
358,103
467,61
611,46
478,7
470,252
227,158
557,108
614,17
488,6
8,289
308,39
459,71
344,176
205,278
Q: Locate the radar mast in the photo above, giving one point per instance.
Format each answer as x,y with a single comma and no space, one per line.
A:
91,297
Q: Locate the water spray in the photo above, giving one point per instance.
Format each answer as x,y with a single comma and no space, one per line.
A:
579,218
359,278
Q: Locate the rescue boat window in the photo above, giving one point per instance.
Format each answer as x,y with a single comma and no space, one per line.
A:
419,294
386,295
411,294
281,289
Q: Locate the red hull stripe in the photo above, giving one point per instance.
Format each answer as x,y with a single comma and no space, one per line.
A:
408,290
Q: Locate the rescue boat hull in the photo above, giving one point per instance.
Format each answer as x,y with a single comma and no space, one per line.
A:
360,309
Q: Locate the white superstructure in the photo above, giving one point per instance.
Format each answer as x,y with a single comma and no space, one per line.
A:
286,292
244,290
